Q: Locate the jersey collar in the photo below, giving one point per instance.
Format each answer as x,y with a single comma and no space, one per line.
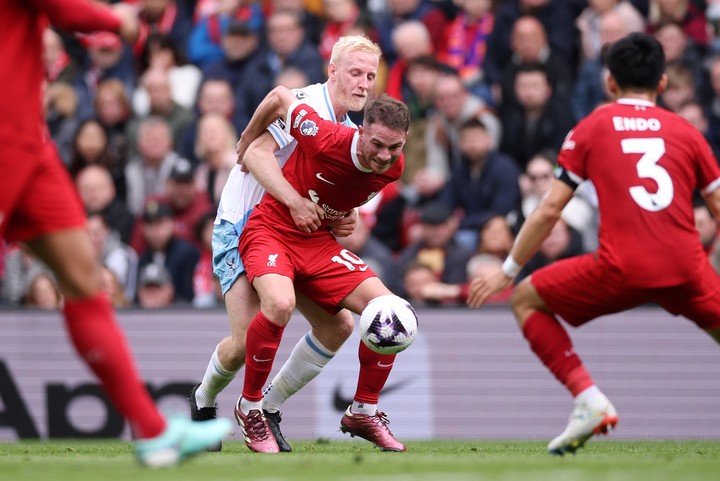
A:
628,101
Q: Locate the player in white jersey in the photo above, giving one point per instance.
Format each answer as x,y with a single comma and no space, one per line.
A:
351,76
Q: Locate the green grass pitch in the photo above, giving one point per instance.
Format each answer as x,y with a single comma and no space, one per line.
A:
75,460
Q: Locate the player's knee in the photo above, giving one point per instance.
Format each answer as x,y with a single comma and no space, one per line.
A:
521,301
278,308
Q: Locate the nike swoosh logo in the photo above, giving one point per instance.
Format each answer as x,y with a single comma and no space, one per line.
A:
380,364
260,360
341,403
320,176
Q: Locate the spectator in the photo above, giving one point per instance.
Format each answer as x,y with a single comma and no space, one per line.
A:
166,17
155,287
113,289
421,74
97,192
188,205
400,11
20,268
312,23
578,213
590,90
708,232
178,256
112,109
113,254
589,24
91,147
557,19
435,247
340,18
496,238
162,53
454,105
679,49
416,279
680,87
108,58
240,43
482,186
411,40
538,121
286,47
467,37
216,96
147,172
206,42
157,84
530,46
477,266
61,105
59,66
694,113
215,148
682,12
43,293
206,286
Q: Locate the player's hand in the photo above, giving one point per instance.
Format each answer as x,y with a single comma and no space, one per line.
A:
345,226
241,147
307,215
128,15
485,286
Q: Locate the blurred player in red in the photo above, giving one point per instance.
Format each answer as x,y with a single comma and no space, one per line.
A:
39,206
645,163
338,168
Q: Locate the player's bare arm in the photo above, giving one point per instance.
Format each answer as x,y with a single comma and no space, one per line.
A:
260,161
532,233
275,105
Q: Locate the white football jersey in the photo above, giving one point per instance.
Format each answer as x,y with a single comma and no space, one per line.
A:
242,192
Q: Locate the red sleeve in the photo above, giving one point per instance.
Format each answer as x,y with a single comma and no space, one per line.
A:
78,15
313,133
573,151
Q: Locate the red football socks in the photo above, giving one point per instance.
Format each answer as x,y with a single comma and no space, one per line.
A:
551,343
374,371
98,339
263,340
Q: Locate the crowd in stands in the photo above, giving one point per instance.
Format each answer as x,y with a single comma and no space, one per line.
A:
147,131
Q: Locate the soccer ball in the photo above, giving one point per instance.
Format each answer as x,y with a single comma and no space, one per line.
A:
388,324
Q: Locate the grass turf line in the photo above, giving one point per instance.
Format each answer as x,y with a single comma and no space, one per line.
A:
78,460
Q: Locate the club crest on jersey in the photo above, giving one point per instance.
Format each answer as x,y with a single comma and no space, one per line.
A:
309,128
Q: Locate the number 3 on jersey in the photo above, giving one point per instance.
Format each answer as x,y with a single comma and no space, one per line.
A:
652,150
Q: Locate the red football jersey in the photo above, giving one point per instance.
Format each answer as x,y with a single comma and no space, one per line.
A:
645,163
22,69
325,168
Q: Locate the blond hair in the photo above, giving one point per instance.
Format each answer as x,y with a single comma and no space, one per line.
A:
354,43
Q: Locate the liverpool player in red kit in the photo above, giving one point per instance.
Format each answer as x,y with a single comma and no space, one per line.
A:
338,168
39,206
645,163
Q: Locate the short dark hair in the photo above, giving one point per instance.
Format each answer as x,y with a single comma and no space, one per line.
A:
388,111
636,61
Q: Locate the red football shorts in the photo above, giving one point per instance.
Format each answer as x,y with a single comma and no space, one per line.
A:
320,268
582,288
37,196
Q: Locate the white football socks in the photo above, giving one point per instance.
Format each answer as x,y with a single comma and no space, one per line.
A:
307,359
363,408
592,397
216,379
